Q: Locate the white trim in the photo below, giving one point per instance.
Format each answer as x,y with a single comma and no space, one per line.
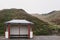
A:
6,34
31,34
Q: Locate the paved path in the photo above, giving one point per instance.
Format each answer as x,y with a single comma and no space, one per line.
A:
37,38
47,38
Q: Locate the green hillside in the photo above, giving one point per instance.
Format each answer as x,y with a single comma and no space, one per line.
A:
40,27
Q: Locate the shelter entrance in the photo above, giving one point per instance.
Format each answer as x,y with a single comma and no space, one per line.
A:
18,29
23,30
14,30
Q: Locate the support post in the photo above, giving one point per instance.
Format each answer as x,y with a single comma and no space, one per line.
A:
28,30
8,31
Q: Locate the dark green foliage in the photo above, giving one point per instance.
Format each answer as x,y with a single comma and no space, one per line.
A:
40,27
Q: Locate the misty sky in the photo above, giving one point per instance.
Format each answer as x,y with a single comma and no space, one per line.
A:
31,6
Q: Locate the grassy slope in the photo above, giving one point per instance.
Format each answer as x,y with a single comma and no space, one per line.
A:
40,27
52,17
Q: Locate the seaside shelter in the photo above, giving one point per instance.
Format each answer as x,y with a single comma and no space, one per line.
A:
18,28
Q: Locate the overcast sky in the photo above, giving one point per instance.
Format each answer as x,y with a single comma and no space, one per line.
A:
31,6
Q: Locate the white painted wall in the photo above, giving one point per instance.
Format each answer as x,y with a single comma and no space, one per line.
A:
14,30
31,34
23,30
6,34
